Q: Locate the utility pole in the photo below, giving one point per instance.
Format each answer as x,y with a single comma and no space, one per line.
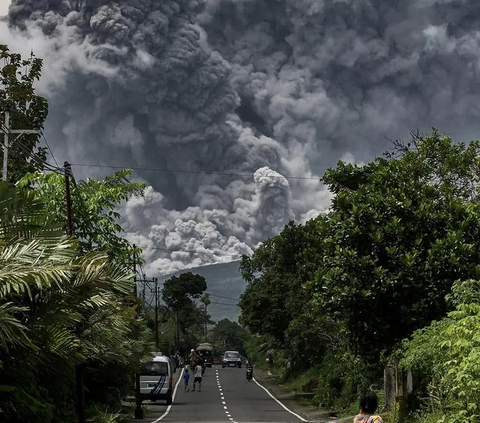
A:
6,145
139,414
155,280
135,270
177,335
79,368
153,290
68,199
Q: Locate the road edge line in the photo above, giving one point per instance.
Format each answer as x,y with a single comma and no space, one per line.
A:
173,398
279,402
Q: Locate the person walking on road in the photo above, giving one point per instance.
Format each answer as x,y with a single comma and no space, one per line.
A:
368,406
186,379
197,377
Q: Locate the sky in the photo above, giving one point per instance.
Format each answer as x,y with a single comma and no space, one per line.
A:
231,110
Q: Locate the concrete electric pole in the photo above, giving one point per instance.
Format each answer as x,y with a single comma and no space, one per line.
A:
6,132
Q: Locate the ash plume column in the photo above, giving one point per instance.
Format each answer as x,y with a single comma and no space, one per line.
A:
272,203
147,87
235,86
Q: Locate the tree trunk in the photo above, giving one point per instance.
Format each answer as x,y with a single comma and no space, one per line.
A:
79,379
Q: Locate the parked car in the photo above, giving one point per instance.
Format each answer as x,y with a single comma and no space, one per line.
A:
156,379
232,359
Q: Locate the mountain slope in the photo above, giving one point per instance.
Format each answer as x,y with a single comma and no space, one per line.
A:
224,284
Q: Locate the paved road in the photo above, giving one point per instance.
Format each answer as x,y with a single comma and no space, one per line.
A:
226,397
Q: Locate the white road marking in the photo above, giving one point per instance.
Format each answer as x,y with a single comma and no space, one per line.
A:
282,405
173,399
223,399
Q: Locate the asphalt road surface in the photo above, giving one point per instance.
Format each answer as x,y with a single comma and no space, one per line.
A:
226,397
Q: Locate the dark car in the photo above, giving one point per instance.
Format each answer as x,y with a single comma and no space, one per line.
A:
232,359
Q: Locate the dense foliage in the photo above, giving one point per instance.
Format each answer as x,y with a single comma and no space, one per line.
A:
400,240
275,275
67,317
448,353
60,308
27,111
340,292
230,335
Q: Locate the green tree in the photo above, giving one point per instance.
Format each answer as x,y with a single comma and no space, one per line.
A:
181,290
231,334
398,241
179,293
27,110
94,208
63,307
58,309
276,274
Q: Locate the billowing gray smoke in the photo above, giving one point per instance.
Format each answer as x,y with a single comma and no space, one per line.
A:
340,75
240,87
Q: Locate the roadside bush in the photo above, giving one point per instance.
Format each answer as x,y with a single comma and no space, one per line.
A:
342,377
449,351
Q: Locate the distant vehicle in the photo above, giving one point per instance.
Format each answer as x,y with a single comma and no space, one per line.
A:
156,379
205,350
232,359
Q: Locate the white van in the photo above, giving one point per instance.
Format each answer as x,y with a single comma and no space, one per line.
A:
156,379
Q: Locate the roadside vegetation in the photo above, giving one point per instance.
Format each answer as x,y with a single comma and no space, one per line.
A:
72,332
390,273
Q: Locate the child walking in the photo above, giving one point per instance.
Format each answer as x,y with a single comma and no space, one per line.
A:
186,378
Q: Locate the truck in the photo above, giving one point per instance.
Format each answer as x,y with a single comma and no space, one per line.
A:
205,350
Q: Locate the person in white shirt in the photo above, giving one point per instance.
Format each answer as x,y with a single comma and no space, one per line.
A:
197,377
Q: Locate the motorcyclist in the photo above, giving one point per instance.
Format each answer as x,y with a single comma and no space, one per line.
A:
269,358
249,366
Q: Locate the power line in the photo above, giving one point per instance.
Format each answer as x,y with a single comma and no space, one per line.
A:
30,154
167,249
233,305
220,296
193,172
49,149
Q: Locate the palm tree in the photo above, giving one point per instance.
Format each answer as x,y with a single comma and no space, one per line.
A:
58,309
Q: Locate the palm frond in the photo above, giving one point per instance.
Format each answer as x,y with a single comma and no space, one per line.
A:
24,215
97,269
36,263
12,331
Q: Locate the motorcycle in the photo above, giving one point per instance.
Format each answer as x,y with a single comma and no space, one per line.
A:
249,373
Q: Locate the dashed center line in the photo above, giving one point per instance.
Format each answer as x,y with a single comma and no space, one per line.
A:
222,397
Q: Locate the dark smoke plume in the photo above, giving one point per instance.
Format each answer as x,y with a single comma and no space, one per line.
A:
260,87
